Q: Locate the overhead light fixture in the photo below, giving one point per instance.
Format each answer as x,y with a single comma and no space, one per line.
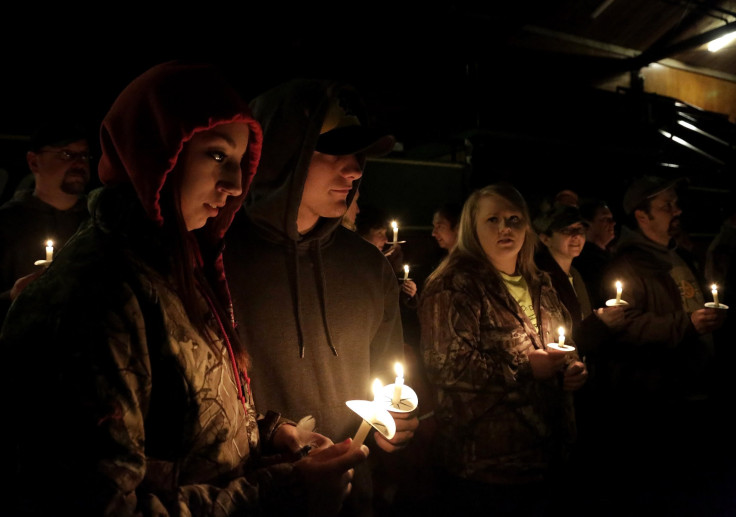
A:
718,43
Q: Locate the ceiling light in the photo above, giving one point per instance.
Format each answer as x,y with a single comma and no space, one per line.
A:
719,43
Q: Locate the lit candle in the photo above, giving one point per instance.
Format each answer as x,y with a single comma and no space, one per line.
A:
714,290
396,230
561,339
619,288
49,250
398,384
365,426
406,271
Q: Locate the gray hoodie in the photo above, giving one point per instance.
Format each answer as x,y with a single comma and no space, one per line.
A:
319,312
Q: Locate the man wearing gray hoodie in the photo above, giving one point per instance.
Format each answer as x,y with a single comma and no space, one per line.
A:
325,319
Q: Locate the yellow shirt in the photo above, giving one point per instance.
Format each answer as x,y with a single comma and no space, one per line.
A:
520,291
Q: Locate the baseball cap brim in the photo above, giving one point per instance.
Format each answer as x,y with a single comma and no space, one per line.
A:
355,139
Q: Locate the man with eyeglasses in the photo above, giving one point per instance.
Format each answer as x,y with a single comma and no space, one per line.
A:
59,160
660,368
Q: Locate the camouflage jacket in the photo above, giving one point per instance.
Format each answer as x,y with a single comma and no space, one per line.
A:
496,423
121,407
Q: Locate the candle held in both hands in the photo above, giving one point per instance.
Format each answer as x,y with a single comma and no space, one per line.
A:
398,384
49,250
714,292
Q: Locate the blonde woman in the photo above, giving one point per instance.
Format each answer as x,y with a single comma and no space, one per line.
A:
504,411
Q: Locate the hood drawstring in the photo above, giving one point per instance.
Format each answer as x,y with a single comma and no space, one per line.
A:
236,370
297,301
320,278
314,252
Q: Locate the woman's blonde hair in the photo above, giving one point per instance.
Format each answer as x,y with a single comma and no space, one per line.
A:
469,245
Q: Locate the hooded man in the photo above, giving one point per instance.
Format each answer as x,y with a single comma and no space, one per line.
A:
326,321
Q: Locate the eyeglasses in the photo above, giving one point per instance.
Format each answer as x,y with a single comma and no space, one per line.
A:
66,155
570,232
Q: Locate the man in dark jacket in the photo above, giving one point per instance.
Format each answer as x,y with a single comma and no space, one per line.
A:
316,303
59,159
660,365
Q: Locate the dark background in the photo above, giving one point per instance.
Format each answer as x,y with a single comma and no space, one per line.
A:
467,105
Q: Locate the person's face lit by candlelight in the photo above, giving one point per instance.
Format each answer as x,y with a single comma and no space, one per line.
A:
662,217
501,230
329,181
211,171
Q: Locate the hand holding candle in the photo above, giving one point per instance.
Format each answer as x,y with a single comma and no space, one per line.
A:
560,345
398,397
374,414
617,301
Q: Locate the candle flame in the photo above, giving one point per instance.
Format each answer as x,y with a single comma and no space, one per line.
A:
561,331
406,268
394,225
618,284
714,287
399,369
49,243
377,387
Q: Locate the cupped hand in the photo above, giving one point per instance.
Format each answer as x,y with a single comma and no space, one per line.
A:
545,365
575,376
23,282
406,425
409,287
328,475
707,319
291,439
613,317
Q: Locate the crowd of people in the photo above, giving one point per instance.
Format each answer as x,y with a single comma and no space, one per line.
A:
189,340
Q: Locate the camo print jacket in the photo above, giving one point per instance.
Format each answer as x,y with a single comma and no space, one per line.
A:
496,423
121,400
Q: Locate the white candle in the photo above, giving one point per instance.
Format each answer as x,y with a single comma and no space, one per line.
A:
398,384
619,288
714,291
49,250
365,426
396,230
406,271
561,332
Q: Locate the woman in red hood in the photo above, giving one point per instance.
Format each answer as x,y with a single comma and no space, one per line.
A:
131,389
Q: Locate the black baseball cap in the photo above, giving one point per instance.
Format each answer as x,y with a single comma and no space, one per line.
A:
558,217
342,132
644,188
57,134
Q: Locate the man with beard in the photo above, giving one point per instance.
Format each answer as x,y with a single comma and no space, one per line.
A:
660,367
59,159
